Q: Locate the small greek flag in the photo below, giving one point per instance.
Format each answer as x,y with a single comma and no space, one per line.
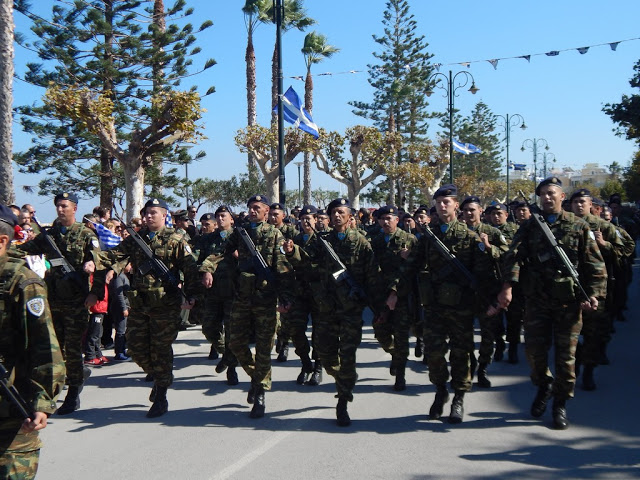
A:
107,238
465,148
295,114
519,166
168,222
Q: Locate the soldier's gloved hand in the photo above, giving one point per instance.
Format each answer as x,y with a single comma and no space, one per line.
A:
207,280
89,267
188,304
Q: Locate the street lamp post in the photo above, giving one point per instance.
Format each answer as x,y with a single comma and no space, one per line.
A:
509,122
299,164
551,157
279,13
534,145
450,92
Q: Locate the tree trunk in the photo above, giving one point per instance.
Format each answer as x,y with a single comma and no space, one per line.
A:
394,161
250,60
7,194
106,179
106,160
308,104
273,188
133,185
159,19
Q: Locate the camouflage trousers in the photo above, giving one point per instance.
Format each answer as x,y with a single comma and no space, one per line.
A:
456,326
393,333
150,335
70,322
547,323
514,316
296,322
489,331
337,337
596,332
214,314
19,452
250,318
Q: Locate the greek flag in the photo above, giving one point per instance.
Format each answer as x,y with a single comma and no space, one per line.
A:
465,148
519,166
295,114
107,238
168,222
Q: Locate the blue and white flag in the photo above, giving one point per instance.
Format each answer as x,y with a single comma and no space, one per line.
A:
168,221
295,114
107,238
519,166
465,148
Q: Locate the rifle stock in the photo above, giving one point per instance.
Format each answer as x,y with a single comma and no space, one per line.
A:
12,394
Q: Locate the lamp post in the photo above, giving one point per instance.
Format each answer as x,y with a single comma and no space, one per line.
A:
450,92
509,122
279,13
534,145
551,157
299,164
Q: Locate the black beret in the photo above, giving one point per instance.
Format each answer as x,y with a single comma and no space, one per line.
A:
72,197
489,209
156,202
7,216
518,204
180,215
338,202
432,210
615,198
447,190
548,181
223,208
388,210
277,206
308,210
422,209
259,198
597,201
207,216
583,192
471,199
321,211
499,206
406,216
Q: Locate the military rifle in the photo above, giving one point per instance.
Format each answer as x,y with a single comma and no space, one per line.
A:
262,269
11,394
153,265
561,257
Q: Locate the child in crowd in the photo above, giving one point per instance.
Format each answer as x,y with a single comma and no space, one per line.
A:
93,352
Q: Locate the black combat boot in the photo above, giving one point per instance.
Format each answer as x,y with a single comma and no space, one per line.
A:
401,383
588,383
222,365
258,405
604,359
498,355
457,407
316,376
560,421
539,404
419,347
513,353
473,362
342,416
232,376
148,378
160,404
152,395
251,396
71,402
307,370
283,355
483,380
213,353
442,397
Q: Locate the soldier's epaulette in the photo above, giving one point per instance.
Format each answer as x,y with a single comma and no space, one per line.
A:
35,280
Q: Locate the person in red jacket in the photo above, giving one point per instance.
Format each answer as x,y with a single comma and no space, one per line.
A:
93,352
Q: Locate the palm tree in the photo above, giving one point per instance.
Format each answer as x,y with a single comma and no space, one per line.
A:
315,50
6,99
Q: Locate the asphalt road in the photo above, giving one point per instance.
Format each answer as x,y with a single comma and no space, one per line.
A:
208,434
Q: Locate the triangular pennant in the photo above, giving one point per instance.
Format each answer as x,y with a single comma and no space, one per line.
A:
494,62
583,50
552,53
526,57
614,45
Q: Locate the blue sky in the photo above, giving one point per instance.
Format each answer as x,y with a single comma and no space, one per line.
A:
560,97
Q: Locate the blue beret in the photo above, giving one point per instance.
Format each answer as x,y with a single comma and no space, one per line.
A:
388,210
308,210
548,181
338,202
156,202
432,210
499,206
72,197
471,199
7,216
598,202
258,198
583,192
223,208
321,211
207,216
615,198
518,204
448,190
277,206
422,209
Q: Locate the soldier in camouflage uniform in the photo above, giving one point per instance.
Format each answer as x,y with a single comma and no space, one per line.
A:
218,273
304,253
339,327
30,352
553,306
391,247
596,329
495,243
323,221
253,313
154,319
181,224
451,304
422,218
68,291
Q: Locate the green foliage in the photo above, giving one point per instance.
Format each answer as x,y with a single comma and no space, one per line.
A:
631,179
626,114
611,186
233,192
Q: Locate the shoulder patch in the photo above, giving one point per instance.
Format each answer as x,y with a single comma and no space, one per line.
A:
504,240
95,243
591,234
35,306
482,246
187,249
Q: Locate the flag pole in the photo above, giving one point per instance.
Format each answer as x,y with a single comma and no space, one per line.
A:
281,178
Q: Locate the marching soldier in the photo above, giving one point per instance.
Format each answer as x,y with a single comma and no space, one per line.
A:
154,319
67,291
553,307
30,352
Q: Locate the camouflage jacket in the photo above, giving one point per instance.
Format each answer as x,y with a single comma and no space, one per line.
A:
211,259
169,247
305,259
507,229
78,244
499,247
613,247
288,231
29,348
532,262
386,249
